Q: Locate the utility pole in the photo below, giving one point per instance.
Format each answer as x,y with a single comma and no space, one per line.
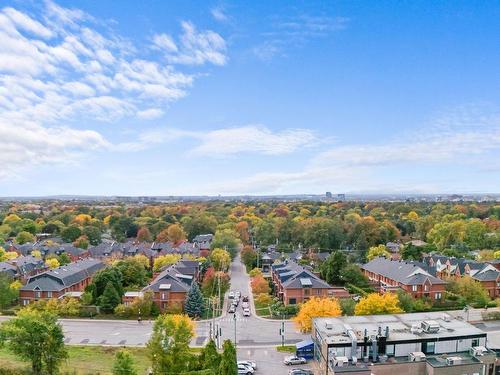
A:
234,318
282,331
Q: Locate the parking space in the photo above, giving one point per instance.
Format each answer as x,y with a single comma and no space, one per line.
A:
269,360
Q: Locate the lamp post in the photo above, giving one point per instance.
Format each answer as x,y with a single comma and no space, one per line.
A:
234,319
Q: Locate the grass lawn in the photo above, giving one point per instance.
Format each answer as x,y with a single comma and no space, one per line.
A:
262,309
84,360
286,349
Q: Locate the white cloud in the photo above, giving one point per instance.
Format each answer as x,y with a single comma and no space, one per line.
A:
57,69
219,14
150,114
194,47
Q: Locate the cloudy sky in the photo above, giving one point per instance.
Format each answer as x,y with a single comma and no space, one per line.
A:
164,97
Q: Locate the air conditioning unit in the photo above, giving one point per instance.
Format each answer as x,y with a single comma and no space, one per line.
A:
453,361
329,325
416,357
446,317
416,329
340,361
430,326
477,351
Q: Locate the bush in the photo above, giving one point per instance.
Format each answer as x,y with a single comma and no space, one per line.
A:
255,272
347,305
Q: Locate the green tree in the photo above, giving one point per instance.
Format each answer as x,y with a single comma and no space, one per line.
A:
133,272
202,224
101,280
209,357
93,234
352,275
412,252
378,251
7,294
194,305
110,298
71,233
469,290
123,364
36,337
226,239
64,259
169,345
331,268
24,237
228,365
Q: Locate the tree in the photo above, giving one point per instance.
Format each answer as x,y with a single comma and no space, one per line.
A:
210,284
221,259
255,272
144,235
209,357
331,268
248,257
64,259
242,231
8,292
199,224
24,237
169,344
100,281
71,233
469,290
194,305
228,365
123,364
316,307
165,260
81,242
226,239
93,234
378,251
412,252
351,275
259,285
110,298
36,337
374,303
36,253
52,263
133,272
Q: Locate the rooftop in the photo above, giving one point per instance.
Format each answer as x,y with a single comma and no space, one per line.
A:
333,330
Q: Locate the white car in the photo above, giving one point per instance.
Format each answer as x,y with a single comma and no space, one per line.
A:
244,369
294,360
246,312
248,364
245,305
231,295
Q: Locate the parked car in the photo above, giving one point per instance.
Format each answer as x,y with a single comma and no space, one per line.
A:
237,294
300,371
246,370
231,295
245,305
294,360
245,298
232,309
246,312
236,302
248,363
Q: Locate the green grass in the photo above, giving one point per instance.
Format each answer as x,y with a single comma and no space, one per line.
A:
262,309
84,360
286,349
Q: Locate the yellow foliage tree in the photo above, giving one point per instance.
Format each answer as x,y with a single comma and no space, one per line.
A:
12,218
82,219
314,308
374,304
165,260
142,259
52,263
378,251
10,255
221,259
15,285
36,253
412,215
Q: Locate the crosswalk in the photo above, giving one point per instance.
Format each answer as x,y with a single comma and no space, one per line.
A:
231,319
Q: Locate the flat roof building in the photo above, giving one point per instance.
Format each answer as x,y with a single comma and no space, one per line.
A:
416,344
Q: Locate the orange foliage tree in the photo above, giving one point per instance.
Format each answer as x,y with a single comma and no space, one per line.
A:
260,285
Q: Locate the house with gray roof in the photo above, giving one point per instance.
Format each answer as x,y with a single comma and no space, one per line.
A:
391,275
73,277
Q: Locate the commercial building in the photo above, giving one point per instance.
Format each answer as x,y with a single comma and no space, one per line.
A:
432,343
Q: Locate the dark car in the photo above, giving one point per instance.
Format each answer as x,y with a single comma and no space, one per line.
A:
245,299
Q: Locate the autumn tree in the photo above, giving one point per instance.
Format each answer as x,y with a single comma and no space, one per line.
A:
242,230
144,235
165,260
378,251
220,258
52,263
169,344
24,237
260,285
376,304
248,257
226,239
468,290
316,307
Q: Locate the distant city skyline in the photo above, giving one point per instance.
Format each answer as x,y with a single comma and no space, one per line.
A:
189,98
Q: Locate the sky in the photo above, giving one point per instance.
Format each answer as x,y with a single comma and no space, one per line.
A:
263,97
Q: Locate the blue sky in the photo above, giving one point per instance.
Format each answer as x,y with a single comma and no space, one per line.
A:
178,97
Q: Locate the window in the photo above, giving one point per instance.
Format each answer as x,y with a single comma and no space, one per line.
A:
475,342
431,345
318,292
292,301
413,288
49,294
426,288
37,294
437,296
389,350
26,302
163,296
307,292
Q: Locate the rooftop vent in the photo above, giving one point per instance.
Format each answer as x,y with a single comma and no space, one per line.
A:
415,329
430,326
416,357
329,325
453,360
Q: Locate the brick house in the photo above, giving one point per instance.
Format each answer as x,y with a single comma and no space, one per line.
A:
169,289
73,277
295,284
412,277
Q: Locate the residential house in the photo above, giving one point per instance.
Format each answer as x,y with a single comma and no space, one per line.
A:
73,277
412,277
204,242
295,284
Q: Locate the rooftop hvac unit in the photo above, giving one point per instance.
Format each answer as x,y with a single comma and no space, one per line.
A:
446,317
416,329
430,326
340,361
477,351
416,357
329,325
453,360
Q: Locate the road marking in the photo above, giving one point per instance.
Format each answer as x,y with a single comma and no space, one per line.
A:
115,334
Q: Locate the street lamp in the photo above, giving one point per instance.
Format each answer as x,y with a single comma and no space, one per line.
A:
234,319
